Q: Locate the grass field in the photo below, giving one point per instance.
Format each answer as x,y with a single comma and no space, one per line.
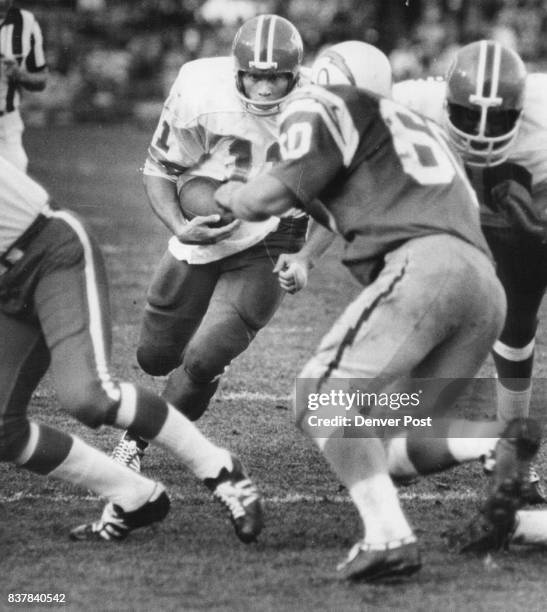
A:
193,561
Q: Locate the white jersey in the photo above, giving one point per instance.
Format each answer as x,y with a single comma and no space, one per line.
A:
204,130
528,150
21,201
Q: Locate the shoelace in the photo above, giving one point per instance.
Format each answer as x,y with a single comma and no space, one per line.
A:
236,495
126,452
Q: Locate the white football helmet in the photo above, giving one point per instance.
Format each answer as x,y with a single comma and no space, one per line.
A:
353,63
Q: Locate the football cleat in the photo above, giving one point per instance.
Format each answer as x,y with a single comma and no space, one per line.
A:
512,457
130,451
532,492
495,523
367,563
493,526
115,524
518,445
239,496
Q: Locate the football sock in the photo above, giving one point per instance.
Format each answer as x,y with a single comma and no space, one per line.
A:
514,385
377,502
512,404
360,464
84,466
153,419
449,442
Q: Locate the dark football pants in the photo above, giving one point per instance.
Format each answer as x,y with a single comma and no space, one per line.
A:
521,263
54,310
198,318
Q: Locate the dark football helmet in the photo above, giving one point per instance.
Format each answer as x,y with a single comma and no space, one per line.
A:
484,99
267,44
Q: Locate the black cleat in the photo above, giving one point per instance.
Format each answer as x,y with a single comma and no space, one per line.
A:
368,563
115,524
512,459
493,526
239,496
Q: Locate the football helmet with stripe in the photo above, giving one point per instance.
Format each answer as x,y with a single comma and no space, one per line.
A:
484,99
267,45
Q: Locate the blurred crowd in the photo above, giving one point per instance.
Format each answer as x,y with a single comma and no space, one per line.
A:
112,59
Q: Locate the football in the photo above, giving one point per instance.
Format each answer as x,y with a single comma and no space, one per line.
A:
196,199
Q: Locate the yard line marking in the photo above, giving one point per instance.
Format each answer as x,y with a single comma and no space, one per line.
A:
254,395
291,498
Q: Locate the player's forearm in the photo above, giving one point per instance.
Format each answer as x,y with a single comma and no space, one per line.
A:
162,196
318,241
257,200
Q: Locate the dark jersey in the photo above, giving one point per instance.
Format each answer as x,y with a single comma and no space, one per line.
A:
384,173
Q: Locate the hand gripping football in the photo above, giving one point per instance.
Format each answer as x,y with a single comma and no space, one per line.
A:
196,199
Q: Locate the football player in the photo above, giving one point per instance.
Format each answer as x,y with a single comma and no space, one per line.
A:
431,305
23,67
214,288
54,312
496,118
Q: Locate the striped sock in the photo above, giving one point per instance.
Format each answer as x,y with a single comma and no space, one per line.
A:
65,457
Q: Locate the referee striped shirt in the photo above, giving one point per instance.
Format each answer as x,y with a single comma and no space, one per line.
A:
20,39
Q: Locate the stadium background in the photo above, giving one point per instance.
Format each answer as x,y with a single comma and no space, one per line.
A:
112,59
111,64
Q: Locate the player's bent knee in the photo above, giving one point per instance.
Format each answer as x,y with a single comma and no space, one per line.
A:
157,362
14,434
189,395
90,404
203,366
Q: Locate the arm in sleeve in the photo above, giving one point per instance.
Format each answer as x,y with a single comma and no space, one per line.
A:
178,142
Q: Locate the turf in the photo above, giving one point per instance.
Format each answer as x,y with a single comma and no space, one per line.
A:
193,561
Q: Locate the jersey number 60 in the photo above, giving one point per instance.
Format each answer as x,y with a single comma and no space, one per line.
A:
419,145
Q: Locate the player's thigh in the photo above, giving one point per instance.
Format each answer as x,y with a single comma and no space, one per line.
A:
24,359
414,306
522,269
245,298
72,305
177,300
249,287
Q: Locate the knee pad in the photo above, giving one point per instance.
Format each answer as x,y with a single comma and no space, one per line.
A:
91,404
157,362
14,433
